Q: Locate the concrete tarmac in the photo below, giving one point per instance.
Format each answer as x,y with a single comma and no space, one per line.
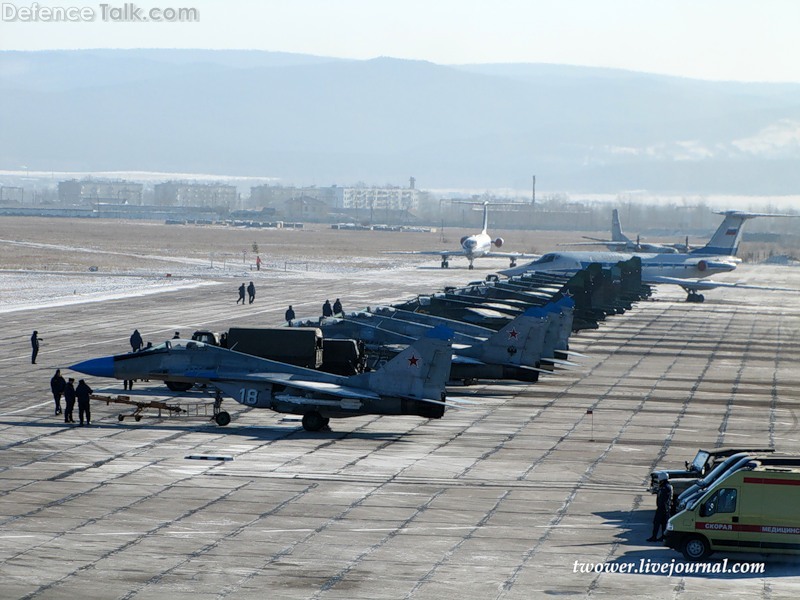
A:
511,499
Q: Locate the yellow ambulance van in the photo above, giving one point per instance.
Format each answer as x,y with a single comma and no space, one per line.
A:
750,510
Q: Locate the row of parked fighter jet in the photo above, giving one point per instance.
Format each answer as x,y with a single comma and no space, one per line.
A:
512,329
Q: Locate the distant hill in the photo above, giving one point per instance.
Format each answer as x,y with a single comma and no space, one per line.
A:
318,120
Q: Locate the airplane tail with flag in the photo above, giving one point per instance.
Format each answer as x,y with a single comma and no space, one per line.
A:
418,372
725,241
514,343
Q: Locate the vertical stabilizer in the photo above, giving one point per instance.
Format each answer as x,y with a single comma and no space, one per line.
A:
420,371
725,241
512,345
616,228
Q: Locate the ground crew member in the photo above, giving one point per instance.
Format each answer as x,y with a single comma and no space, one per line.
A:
289,316
136,341
83,392
258,263
241,294
251,292
57,385
327,311
337,307
663,506
69,397
35,339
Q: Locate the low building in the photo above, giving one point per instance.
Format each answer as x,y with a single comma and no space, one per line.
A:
180,193
11,195
92,191
363,197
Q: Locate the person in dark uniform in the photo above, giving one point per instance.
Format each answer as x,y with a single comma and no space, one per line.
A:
251,292
136,341
337,307
241,294
69,398
327,311
35,339
289,316
57,385
83,392
177,335
663,506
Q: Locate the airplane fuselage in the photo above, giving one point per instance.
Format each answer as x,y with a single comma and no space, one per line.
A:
654,266
477,245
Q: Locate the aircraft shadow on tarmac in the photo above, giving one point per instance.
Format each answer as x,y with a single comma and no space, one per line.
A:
253,432
635,527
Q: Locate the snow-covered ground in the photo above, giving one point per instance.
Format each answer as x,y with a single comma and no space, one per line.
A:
26,291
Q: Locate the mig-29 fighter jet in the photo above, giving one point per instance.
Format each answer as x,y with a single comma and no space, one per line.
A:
412,383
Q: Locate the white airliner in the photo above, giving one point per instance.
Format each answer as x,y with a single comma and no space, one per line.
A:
620,242
686,270
475,246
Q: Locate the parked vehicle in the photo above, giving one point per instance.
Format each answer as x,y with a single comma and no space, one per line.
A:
748,510
703,462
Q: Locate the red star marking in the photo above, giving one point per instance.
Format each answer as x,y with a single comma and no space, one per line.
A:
412,362
513,334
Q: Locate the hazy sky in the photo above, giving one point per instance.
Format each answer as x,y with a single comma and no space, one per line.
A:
708,39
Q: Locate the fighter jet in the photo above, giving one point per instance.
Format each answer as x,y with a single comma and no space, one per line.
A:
412,383
514,352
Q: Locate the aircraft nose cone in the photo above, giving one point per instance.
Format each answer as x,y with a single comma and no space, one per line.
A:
98,367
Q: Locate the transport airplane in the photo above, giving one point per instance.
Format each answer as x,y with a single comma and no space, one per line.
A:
475,246
620,242
687,270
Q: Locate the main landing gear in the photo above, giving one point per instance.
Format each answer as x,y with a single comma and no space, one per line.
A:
221,418
513,263
693,296
313,421
445,263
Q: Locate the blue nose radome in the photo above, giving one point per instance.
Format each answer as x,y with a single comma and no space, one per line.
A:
97,367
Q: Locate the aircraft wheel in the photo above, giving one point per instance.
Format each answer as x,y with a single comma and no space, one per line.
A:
313,421
138,418
471,266
696,548
513,264
121,417
179,386
222,418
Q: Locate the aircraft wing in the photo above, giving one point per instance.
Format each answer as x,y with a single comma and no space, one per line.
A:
442,253
332,389
510,255
708,284
285,379
608,244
